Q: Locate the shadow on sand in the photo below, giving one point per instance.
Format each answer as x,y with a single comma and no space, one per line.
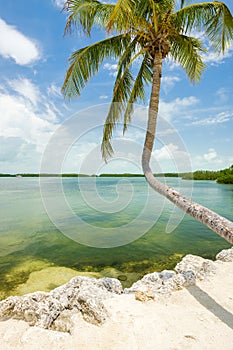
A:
209,303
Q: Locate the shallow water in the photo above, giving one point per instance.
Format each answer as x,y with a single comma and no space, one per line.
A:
34,254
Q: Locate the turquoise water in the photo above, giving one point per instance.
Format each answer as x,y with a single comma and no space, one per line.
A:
34,254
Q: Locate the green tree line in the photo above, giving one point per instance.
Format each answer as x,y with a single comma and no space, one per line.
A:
224,176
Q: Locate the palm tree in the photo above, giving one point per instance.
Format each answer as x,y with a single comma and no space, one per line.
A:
151,30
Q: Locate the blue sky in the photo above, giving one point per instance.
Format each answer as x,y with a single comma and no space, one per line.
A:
195,129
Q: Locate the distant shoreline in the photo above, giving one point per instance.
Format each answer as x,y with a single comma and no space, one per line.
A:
224,176
93,175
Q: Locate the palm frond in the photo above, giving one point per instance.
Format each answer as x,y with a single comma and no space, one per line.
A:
83,14
213,18
220,28
125,92
149,8
86,61
144,77
126,56
186,50
184,3
121,16
122,90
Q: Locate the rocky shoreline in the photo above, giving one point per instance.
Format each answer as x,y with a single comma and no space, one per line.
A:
87,296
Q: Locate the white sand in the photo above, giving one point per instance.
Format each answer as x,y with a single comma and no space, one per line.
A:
200,318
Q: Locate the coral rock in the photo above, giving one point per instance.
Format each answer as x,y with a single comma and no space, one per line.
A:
49,310
144,296
225,255
197,265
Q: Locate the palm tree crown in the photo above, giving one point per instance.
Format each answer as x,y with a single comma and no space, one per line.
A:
141,28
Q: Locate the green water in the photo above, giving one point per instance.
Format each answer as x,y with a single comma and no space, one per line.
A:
35,255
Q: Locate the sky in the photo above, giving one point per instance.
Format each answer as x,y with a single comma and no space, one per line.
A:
40,131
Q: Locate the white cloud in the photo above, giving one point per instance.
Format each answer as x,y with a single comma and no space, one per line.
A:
25,88
2,88
59,3
166,132
16,45
113,74
112,68
209,160
168,83
10,148
171,64
170,157
165,152
26,118
54,91
19,119
169,110
220,118
213,58
103,97
211,155
169,152
222,95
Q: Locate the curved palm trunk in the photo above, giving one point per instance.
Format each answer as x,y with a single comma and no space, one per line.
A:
215,222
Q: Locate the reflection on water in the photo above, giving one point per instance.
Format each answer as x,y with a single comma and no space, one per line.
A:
35,255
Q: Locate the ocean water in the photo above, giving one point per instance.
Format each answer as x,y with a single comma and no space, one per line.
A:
116,227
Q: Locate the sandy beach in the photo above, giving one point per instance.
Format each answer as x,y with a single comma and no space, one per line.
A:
196,317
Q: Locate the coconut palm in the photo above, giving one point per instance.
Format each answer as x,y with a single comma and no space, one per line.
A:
151,30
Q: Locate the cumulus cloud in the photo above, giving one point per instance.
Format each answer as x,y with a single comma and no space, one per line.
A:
59,3
209,160
112,68
211,57
26,115
171,64
172,157
170,109
17,46
165,152
19,119
211,155
168,83
214,59
103,97
169,152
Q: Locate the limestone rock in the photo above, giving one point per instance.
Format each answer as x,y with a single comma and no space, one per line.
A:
93,309
144,296
166,274
225,255
151,281
164,282
85,295
80,294
190,278
64,322
199,266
